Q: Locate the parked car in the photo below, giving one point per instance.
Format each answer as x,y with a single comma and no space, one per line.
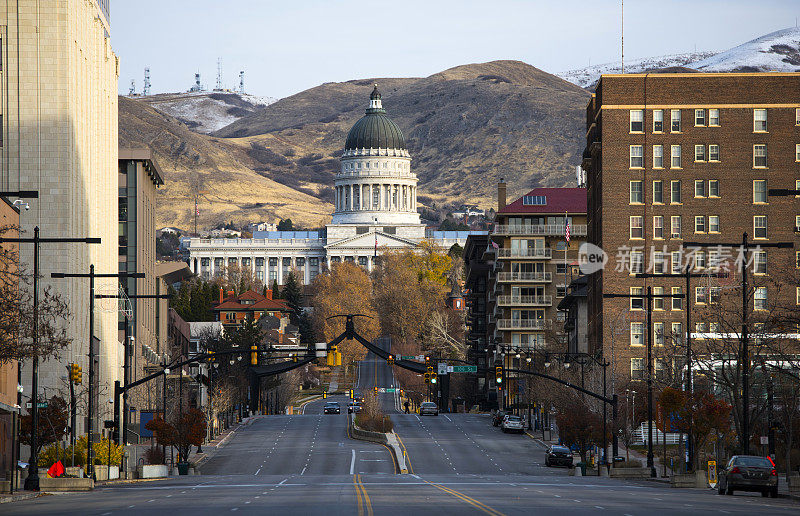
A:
557,455
512,424
749,473
428,407
498,417
331,407
353,407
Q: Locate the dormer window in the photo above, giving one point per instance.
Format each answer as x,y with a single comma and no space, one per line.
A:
534,200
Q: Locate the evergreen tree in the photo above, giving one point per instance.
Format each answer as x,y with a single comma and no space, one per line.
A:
294,298
276,290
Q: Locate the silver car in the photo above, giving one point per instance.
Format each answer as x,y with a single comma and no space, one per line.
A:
513,424
428,407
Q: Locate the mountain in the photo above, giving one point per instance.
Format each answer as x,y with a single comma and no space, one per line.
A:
193,162
206,112
465,127
587,77
778,51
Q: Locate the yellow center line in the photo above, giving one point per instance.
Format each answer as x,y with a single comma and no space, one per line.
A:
475,503
408,457
367,501
358,496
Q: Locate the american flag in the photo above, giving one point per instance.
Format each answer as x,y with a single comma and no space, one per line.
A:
494,244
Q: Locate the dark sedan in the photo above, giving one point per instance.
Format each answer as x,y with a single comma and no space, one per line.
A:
332,407
354,408
558,456
749,473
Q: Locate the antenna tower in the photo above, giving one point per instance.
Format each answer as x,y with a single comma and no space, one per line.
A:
132,91
219,75
241,82
146,89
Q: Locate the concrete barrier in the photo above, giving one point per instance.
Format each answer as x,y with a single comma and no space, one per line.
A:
389,439
102,472
65,484
635,473
152,471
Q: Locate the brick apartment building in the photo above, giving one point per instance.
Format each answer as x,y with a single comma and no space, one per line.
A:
686,157
515,287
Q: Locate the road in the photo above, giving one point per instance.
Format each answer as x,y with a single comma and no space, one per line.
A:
460,464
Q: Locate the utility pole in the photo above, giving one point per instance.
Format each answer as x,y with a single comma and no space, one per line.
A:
32,482
744,354
91,391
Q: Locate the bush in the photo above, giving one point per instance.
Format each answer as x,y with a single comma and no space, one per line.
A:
371,417
49,455
154,455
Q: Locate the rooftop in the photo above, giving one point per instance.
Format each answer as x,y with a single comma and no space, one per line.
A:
549,200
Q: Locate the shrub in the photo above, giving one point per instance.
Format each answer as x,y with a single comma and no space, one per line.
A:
371,417
154,455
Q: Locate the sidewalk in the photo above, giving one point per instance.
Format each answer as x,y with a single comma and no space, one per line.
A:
19,496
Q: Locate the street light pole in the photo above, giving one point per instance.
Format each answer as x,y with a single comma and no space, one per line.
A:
32,482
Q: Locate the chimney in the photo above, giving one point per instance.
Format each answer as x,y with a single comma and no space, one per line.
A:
230,293
220,295
268,293
501,194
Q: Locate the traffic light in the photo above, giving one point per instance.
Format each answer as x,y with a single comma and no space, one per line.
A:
498,374
428,361
211,358
253,355
427,377
324,394
79,376
390,359
434,377
376,389
73,373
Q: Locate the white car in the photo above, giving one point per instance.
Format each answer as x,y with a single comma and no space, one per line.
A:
513,424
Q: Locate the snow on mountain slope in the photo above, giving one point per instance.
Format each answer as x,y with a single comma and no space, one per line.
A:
778,51
206,111
587,77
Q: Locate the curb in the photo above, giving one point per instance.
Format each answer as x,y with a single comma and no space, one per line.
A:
389,440
20,497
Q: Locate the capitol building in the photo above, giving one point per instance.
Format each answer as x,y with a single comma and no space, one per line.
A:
375,210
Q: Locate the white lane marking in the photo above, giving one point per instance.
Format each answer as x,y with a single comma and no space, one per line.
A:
445,416
285,479
235,509
106,513
597,507
418,419
258,470
353,463
304,469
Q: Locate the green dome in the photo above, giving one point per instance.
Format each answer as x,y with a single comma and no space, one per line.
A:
375,130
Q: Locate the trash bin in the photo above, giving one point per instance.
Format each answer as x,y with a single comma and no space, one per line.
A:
581,465
183,468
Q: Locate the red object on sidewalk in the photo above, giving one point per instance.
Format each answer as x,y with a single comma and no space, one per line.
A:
56,470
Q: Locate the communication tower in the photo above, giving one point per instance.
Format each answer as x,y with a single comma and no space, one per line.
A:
146,89
241,82
219,75
197,86
132,91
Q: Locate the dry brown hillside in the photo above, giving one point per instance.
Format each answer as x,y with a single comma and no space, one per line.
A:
465,128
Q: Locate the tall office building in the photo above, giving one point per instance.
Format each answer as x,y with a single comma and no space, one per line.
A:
679,158
59,137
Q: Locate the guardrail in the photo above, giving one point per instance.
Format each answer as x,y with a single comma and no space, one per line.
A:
540,229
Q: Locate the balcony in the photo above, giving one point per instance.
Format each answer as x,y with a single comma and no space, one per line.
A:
535,252
521,324
541,230
525,277
524,300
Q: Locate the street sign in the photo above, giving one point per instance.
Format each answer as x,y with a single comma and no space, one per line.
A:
41,404
389,390
463,369
712,473
408,357
442,368
764,439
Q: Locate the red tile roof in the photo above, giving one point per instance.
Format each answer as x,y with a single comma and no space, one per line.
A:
261,303
559,200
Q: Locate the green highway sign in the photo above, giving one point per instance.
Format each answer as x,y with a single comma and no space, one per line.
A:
390,390
465,369
407,357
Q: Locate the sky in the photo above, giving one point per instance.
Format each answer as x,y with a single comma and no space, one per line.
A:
285,47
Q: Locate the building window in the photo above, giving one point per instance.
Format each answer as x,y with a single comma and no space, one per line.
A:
759,191
658,121
637,367
362,261
713,188
797,223
675,192
699,188
675,118
760,226
677,302
637,121
658,226
561,290
561,268
699,152
713,117
534,200
699,224
658,156
659,262
797,116
675,223
699,117
677,333
658,333
637,262
713,223
676,262
637,334
699,260
658,192
658,302
713,152
700,295
376,197
797,259
676,156
759,262
636,196
797,295
636,227
760,298
760,156
637,158
759,120
797,152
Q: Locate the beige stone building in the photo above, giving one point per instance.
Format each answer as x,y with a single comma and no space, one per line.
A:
58,98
